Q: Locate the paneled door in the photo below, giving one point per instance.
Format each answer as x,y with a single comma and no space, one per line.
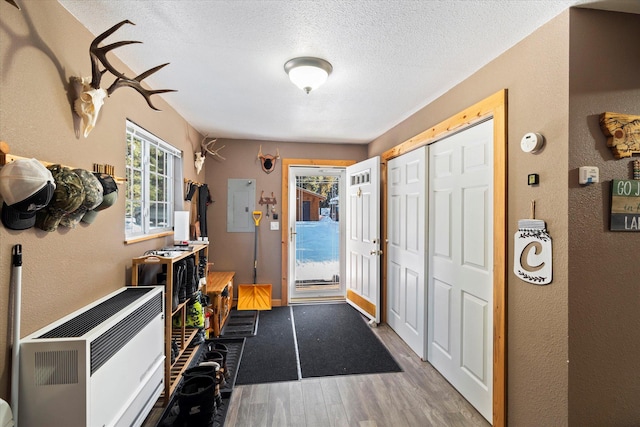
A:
406,248
460,279
363,237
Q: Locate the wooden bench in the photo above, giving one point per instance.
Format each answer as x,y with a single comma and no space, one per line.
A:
217,283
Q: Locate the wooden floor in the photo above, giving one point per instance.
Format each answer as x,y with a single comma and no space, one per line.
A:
419,396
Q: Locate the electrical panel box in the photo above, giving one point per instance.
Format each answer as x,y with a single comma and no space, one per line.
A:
241,200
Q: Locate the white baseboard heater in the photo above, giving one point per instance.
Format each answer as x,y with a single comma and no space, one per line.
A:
102,365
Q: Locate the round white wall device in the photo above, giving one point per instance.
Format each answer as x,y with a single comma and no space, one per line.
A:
532,142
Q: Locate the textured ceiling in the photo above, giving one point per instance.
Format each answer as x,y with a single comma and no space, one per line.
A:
390,58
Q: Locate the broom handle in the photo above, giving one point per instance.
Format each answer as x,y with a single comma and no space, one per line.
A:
257,215
255,255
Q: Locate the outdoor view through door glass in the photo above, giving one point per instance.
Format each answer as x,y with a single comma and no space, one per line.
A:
318,233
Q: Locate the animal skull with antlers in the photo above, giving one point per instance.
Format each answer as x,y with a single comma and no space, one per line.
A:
91,96
206,147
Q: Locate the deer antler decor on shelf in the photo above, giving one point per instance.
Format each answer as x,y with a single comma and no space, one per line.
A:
91,96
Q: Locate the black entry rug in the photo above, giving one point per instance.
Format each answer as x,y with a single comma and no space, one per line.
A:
334,339
270,355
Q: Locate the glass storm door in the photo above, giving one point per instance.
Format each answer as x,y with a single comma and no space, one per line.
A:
316,247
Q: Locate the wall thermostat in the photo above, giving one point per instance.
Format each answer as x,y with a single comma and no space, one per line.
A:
589,175
532,142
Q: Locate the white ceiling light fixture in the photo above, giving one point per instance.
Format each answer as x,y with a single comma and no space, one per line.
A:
308,73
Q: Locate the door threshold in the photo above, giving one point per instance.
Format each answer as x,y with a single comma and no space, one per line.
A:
316,300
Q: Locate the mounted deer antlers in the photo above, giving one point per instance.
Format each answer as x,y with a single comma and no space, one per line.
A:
206,147
268,161
13,3
91,97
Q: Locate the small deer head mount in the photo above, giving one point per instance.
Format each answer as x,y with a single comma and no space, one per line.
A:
268,161
91,96
206,147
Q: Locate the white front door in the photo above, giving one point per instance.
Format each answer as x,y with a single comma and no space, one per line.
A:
460,294
406,248
363,237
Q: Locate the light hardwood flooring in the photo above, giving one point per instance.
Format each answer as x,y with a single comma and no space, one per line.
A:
418,396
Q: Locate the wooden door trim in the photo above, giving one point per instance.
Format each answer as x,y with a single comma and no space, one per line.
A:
493,106
285,212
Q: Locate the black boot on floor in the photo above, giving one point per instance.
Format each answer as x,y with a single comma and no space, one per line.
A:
216,356
197,401
201,370
224,351
219,380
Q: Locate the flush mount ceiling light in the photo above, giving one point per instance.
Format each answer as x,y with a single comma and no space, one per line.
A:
308,73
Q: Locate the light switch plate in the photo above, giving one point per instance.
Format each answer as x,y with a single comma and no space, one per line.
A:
275,225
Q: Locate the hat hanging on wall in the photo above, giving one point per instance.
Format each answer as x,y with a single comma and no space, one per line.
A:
109,197
67,197
92,198
26,187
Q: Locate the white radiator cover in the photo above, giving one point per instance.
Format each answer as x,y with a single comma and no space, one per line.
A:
102,365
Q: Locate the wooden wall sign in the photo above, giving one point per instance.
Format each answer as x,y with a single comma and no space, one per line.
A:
625,205
622,132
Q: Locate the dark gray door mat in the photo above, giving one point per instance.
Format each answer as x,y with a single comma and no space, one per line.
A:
240,323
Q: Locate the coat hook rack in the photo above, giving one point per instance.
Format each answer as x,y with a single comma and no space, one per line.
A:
268,201
6,158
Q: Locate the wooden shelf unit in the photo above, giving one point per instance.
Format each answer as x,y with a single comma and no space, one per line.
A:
184,335
217,282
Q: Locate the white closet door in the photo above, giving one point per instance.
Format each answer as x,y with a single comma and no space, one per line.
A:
406,248
460,331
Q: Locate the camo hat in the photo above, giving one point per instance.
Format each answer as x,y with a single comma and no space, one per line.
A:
26,186
92,198
109,197
67,197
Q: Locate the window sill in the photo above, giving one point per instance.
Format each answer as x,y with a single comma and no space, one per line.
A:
147,237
